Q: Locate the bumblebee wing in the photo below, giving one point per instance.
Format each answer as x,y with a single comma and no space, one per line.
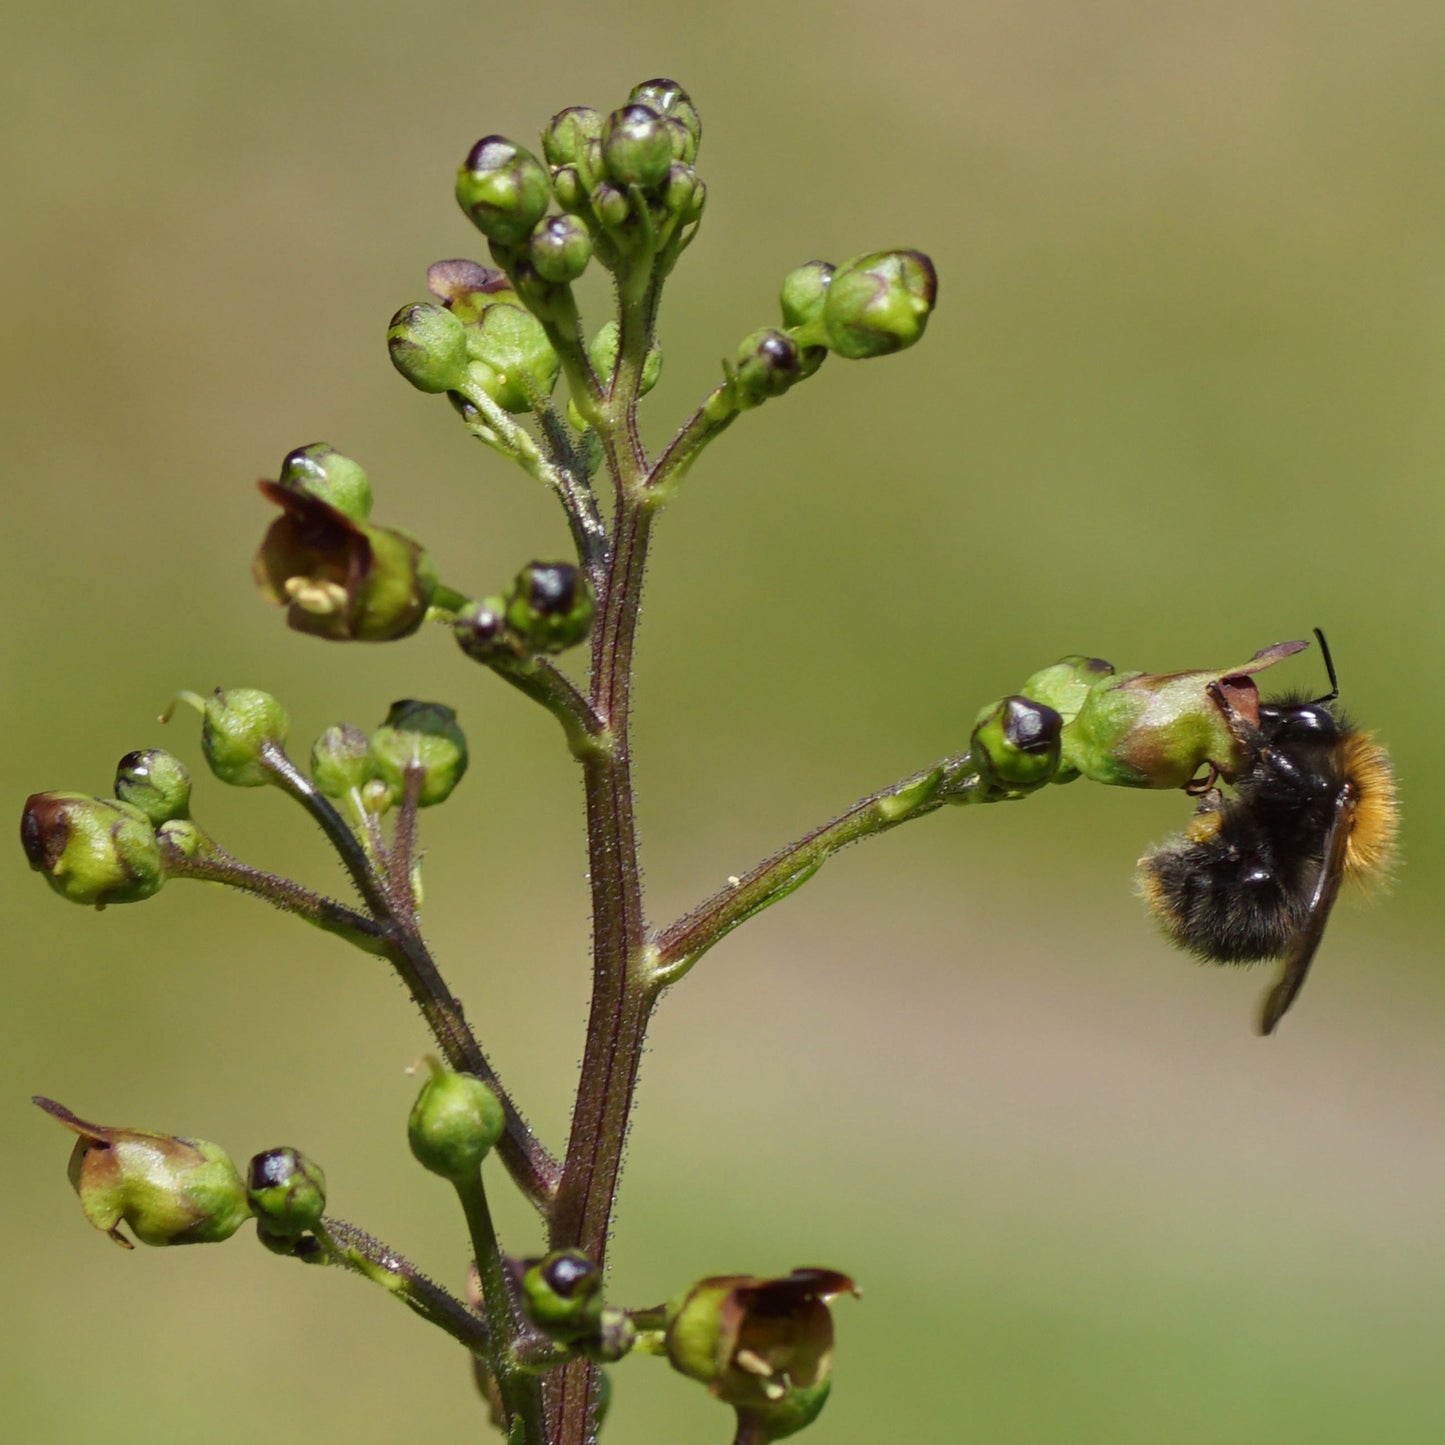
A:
1306,942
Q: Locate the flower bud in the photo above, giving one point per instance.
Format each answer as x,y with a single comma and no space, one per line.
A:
512,359
95,851
156,782
609,205
674,104
1160,730
571,190
805,288
879,303
424,736
181,838
762,1345
560,249
428,346
503,189
239,727
454,1124
637,147
168,1190
1015,743
769,362
322,472
466,287
339,577
550,606
481,630
562,1295
286,1192
564,142
341,760
1065,684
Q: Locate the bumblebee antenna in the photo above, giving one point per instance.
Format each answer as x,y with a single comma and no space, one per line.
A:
1334,691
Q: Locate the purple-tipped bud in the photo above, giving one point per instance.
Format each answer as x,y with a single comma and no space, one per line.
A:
504,189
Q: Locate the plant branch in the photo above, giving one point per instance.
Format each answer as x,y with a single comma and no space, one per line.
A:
678,947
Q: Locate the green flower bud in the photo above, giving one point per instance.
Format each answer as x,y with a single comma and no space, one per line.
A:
512,360
341,760
1161,730
550,606
564,142
879,303
637,147
425,736
1015,744
339,577
322,472
560,249
156,782
602,353
181,838
684,193
95,851
239,727
481,630
454,1124
168,1190
674,104
570,189
762,1345
504,189
428,346
562,1295
286,1192
805,288
768,363
1065,684
610,206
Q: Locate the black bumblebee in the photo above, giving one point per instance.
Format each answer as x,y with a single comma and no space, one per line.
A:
1254,876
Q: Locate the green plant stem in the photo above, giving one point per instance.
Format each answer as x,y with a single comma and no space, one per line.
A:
543,683
353,1249
709,421
678,947
534,1170
218,866
521,1391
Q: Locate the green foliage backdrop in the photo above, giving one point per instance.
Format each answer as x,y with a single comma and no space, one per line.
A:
1182,398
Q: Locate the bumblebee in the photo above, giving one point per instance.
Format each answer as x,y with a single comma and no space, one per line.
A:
1255,875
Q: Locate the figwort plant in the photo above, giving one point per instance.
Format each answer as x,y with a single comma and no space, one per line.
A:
619,191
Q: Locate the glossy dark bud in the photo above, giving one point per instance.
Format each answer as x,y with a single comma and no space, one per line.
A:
1015,743
805,288
674,104
560,249
481,630
550,606
562,1295
341,760
428,346
637,147
94,851
768,363
156,782
504,189
168,1190
564,142
879,303
420,737
320,471
454,1124
286,1192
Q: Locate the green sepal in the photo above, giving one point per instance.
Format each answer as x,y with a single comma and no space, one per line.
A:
511,359
454,1124
341,760
425,736
93,851
877,303
320,471
805,288
239,727
428,346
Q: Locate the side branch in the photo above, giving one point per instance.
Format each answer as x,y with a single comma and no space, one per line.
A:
678,947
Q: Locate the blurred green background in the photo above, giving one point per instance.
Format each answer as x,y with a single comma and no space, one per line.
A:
1182,398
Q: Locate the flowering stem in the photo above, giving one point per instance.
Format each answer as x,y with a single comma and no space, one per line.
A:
678,947
707,422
